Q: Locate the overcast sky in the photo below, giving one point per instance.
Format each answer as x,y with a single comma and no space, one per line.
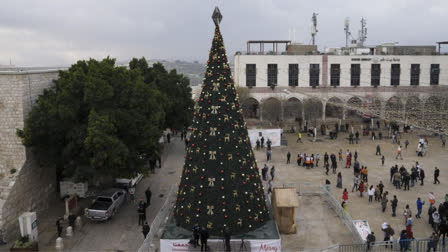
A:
59,32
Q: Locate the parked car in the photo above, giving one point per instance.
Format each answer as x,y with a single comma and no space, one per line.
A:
125,183
106,206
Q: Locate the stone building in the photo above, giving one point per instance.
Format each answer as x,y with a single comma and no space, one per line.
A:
24,185
407,88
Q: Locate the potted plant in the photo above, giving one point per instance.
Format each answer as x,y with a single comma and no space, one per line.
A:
24,244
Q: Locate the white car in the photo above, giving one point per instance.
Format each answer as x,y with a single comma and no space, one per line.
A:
128,182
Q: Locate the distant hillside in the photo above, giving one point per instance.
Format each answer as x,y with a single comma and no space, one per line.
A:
193,70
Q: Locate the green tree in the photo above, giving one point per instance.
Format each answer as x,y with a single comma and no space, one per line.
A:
176,89
96,119
220,185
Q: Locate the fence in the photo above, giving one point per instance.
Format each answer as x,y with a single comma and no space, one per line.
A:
405,245
161,218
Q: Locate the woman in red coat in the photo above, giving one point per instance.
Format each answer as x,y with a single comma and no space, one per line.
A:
345,195
361,188
349,161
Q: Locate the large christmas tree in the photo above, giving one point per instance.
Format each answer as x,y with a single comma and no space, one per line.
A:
220,185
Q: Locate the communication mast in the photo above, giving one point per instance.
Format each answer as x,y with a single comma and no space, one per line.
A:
363,32
314,28
347,31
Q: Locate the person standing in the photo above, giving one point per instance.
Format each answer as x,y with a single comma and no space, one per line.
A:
317,158
432,199
406,143
356,138
299,137
407,214
399,153
381,187
196,235
262,142
288,157
355,183
270,186
141,215
326,157
334,164
340,155
377,193
59,226
168,137
227,237
422,176
131,191
361,188
339,181
436,175
378,150
370,240
420,204
382,160
394,205
356,155
264,172
371,193
145,229
204,238
258,144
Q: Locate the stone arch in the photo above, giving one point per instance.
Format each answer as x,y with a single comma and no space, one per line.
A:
373,107
271,109
432,112
413,110
393,109
354,108
313,109
292,109
251,108
334,108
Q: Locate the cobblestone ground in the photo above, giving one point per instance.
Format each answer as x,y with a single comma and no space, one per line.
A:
360,208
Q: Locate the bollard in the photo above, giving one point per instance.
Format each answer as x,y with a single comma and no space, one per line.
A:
69,232
59,244
78,222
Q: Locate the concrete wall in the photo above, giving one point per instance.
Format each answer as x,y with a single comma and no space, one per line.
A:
345,62
28,188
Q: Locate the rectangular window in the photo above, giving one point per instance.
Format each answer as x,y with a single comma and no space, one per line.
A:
435,72
272,74
293,73
395,75
314,75
375,72
251,75
415,74
335,74
355,72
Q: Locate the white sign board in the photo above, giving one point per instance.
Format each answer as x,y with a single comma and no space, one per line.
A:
275,135
255,245
363,228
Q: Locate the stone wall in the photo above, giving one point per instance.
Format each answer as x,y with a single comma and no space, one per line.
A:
24,185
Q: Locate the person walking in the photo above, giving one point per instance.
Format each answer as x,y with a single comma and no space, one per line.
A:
299,137
371,193
382,160
272,172
355,183
339,181
399,153
370,240
131,191
270,186
264,172
141,215
356,138
394,204
381,187
384,201
145,229
288,157
345,195
148,194
436,175
378,150
406,143
377,193
326,157
420,204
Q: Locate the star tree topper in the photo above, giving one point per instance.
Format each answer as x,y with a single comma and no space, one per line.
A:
217,17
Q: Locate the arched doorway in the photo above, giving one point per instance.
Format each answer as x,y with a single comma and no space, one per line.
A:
251,108
292,109
394,109
271,110
355,108
313,110
334,108
413,111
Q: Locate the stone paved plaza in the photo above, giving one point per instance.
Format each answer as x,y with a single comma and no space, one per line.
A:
358,207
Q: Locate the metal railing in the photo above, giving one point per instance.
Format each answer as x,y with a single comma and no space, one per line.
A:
162,217
405,245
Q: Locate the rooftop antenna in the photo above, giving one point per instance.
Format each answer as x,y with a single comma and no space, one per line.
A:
363,32
347,31
294,31
314,28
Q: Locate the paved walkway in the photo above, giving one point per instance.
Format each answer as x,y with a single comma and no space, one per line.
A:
122,232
